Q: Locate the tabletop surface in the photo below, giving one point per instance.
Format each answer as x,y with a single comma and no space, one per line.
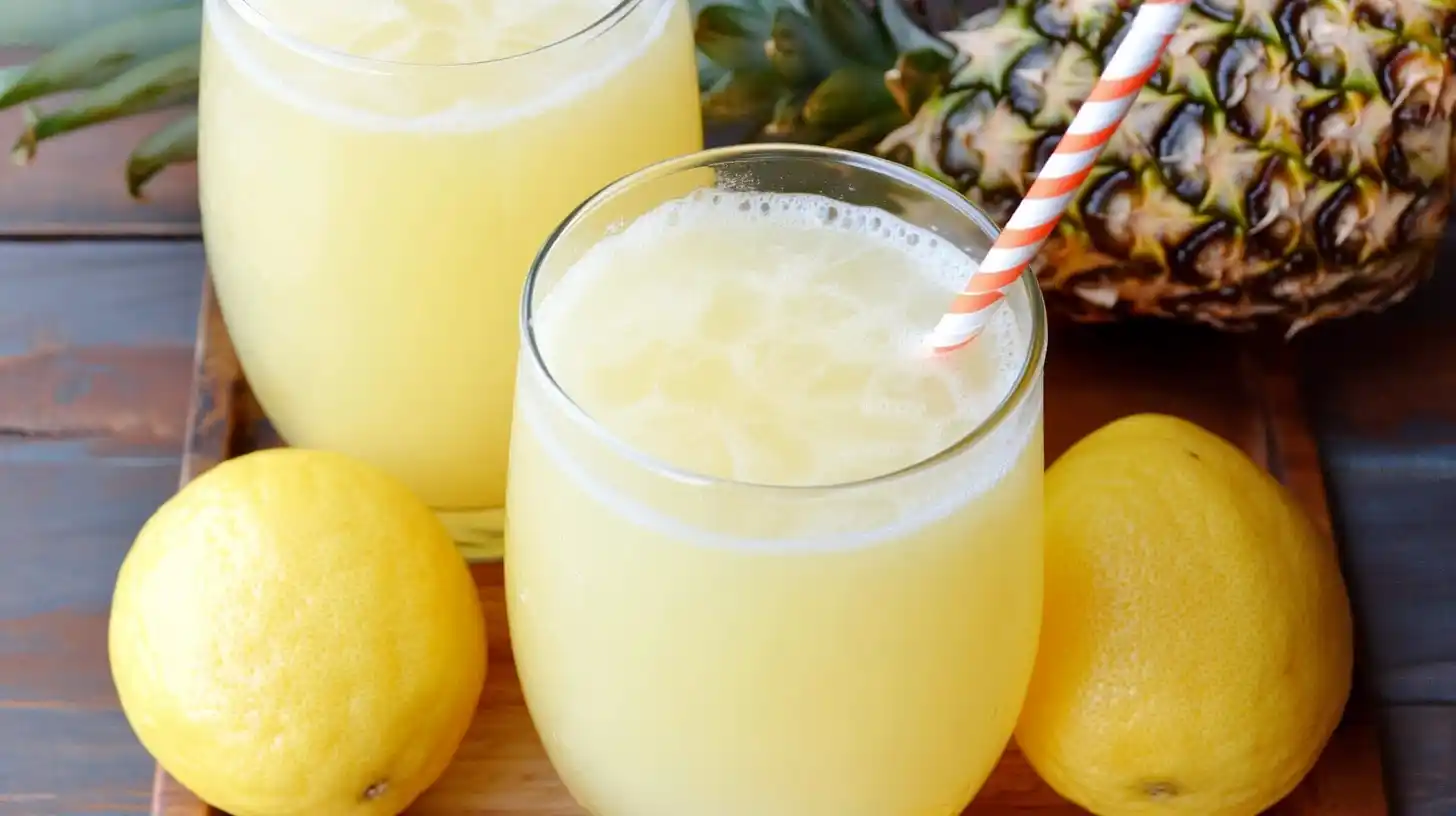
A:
98,308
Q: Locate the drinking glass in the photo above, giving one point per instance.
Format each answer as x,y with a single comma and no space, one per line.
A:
376,178
690,643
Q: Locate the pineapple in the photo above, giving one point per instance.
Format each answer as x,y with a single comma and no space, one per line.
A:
1290,163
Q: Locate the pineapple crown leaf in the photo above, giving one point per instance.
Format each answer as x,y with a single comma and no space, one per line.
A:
741,96
125,56
867,32
732,37
799,51
847,97
843,72
53,23
860,34
908,36
24,148
104,54
10,76
173,144
917,77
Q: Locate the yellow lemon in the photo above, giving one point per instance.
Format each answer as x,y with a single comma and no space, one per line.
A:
1196,648
295,633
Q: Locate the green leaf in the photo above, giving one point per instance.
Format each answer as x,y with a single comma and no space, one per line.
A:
174,144
709,72
9,75
853,31
799,51
170,79
696,7
907,35
733,37
787,117
916,78
106,53
745,95
867,134
848,97
49,23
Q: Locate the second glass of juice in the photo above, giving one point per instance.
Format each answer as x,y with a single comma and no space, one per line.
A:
768,555
377,176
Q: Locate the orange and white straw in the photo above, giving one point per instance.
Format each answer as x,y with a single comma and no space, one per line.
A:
1132,65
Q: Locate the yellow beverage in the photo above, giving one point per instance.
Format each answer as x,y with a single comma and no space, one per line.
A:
376,178
765,555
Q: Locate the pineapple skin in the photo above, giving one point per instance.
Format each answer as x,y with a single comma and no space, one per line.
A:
1290,163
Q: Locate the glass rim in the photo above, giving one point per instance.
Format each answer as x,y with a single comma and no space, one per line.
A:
1014,399
303,45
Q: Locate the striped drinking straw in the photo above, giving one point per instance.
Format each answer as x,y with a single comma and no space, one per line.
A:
1131,66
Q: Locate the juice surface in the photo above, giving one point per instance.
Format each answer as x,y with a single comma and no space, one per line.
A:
369,224
693,646
433,31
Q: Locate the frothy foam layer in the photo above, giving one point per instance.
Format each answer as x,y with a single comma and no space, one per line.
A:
433,31
773,340
443,66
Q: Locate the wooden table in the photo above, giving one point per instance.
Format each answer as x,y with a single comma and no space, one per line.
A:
98,305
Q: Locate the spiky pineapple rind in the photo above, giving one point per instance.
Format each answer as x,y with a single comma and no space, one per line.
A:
1280,169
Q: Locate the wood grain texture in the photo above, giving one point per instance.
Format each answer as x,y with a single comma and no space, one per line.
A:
64,746
93,338
94,348
1383,396
1383,391
1095,375
77,183
1420,744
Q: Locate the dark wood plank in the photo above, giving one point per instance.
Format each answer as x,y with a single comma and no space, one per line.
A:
1383,393
1396,512
1391,376
95,350
64,746
1347,781
42,752
96,339
1421,746
77,183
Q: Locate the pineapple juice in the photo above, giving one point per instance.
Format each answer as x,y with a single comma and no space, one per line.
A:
700,625
376,178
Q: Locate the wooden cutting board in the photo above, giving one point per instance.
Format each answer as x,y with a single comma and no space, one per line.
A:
1241,388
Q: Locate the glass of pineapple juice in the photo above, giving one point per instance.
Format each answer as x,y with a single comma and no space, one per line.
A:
376,178
766,554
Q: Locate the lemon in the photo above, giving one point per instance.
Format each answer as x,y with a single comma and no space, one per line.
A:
295,633
1196,647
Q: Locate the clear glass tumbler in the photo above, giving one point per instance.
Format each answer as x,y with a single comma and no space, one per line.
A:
745,572
376,178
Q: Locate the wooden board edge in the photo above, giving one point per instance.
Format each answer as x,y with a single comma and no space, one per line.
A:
1271,370
207,441
171,798
219,413
212,414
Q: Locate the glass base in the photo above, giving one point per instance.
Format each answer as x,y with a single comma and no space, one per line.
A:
480,534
